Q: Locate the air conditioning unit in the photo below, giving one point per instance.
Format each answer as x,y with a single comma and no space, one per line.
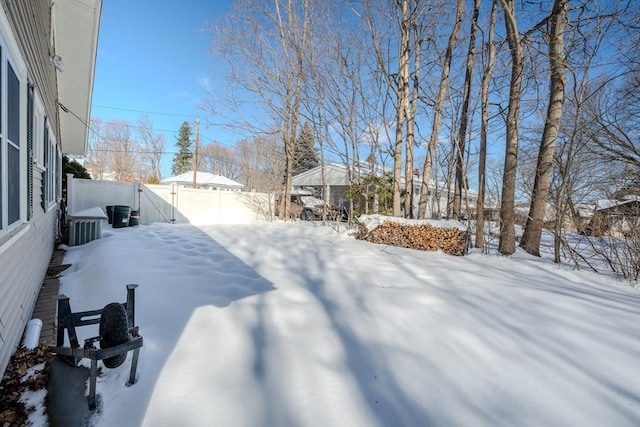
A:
83,231
85,226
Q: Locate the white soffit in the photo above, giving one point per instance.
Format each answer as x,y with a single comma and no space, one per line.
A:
75,31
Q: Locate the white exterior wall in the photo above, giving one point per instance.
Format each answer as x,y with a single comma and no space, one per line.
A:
26,245
24,258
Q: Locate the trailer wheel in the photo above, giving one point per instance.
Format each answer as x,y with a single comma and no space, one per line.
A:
307,215
114,330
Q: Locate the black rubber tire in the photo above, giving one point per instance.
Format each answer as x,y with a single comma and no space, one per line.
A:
307,215
114,330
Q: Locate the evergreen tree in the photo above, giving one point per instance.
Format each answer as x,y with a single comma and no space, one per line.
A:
72,166
75,168
305,156
182,159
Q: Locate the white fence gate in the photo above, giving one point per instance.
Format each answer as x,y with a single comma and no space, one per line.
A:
170,203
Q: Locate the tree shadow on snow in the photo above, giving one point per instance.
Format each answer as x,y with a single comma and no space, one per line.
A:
550,326
182,273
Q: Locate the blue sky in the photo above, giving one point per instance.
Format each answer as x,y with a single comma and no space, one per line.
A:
153,59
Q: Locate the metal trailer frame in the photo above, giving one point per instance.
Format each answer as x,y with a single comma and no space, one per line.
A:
69,321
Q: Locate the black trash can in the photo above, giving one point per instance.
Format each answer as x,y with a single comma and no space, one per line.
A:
134,219
121,216
110,214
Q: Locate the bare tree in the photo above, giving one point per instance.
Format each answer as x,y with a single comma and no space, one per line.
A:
484,124
220,160
437,110
416,33
493,180
123,150
97,155
402,106
398,27
533,230
612,111
459,159
337,96
612,119
577,172
261,162
507,243
152,148
293,28
265,45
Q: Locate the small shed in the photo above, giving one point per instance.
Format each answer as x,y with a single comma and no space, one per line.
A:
615,217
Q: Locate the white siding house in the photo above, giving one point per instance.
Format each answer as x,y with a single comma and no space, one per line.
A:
47,62
336,182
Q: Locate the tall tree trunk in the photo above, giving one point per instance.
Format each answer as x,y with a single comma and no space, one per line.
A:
482,161
288,143
297,37
411,117
464,116
402,106
437,111
533,231
451,170
507,243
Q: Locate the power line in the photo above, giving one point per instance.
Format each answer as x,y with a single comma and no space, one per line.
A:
125,123
192,116
201,154
207,138
328,149
145,112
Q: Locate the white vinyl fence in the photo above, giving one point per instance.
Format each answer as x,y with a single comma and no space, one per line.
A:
170,203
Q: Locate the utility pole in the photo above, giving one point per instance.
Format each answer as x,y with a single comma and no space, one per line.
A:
195,154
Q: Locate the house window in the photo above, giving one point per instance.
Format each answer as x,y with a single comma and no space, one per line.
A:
13,147
29,152
58,172
52,175
51,165
13,151
3,166
38,131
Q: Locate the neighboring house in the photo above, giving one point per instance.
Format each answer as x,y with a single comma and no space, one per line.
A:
582,215
204,180
615,217
47,62
571,221
336,180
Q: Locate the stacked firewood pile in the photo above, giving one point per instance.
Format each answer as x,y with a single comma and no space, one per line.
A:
425,237
28,370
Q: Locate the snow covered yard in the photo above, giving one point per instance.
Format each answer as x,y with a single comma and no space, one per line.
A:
299,325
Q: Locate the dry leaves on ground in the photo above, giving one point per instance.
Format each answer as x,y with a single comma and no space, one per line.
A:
18,377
